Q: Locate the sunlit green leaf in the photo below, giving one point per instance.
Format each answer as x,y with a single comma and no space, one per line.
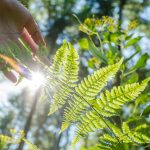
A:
97,53
146,111
133,41
84,44
142,61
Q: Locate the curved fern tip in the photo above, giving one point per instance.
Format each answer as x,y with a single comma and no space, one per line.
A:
49,113
76,139
64,126
52,110
64,41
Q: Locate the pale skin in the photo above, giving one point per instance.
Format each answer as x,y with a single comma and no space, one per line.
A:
16,22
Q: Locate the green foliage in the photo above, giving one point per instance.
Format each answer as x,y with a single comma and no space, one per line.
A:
86,91
68,75
108,105
107,42
142,61
15,138
91,112
125,135
133,41
94,102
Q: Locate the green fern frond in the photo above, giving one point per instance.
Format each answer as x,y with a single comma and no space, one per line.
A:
90,121
68,80
103,147
107,106
111,101
54,72
98,147
86,91
89,112
109,138
134,136
15,138
125,135
143,128
59,59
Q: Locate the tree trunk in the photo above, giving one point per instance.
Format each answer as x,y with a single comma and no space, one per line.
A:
29,119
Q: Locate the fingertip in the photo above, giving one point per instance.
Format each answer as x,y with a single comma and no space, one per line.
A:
9,75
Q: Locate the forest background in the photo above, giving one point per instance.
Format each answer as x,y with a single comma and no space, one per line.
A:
57,22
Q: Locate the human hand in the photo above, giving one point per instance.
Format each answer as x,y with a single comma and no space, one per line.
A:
16,22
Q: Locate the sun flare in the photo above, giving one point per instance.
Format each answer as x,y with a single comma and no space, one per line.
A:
37,79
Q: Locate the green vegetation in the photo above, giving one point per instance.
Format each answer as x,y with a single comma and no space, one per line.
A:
97,103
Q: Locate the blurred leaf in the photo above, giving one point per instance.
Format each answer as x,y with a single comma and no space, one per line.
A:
138,49
93,62
111,37
114,49
84,44
111,56
143,98
142,61
146,111
106,37
140,64
128,37
133,41
114,37
19,80
95,51
136,120
134,77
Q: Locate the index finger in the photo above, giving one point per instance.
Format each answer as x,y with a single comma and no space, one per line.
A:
34,31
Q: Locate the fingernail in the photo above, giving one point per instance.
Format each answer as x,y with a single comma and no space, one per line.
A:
28,39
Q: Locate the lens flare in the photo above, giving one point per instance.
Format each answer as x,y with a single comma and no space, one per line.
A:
37,79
